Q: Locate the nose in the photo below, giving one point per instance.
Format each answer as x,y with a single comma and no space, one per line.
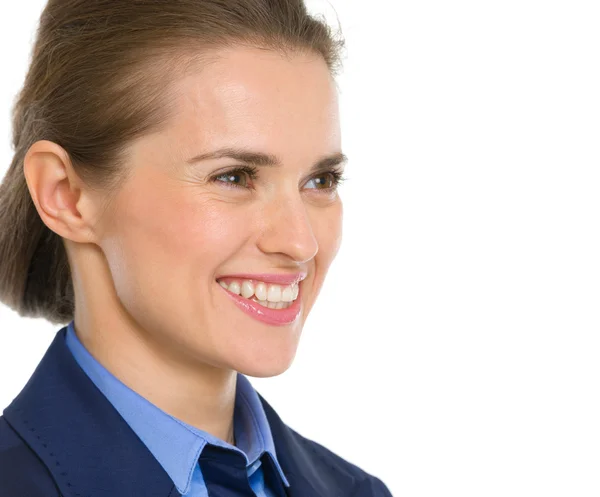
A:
287,229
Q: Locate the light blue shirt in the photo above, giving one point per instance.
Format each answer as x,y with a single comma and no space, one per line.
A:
177,445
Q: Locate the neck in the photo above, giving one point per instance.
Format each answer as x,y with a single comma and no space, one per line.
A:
160,369
199,395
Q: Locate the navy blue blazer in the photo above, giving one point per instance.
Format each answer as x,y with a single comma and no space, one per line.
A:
61,437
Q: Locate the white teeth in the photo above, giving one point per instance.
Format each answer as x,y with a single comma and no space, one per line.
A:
234,287
272,305
247,289
288,294
261,291
274,294
264,292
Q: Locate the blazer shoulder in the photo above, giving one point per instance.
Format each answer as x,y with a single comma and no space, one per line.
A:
372,487
21,471
367,484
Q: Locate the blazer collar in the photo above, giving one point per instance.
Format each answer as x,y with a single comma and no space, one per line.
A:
90,449
308,472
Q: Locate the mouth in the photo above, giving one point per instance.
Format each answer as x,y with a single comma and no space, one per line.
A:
269,303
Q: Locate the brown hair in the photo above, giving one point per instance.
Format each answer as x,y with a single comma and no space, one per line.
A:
97,80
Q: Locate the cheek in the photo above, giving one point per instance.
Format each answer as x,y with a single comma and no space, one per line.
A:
167,235
327,226
194,229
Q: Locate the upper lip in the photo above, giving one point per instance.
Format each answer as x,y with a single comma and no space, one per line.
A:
277,279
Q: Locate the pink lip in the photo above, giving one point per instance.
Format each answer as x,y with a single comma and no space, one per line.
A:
277,279
277,317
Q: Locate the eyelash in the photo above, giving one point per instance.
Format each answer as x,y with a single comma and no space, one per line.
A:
252,172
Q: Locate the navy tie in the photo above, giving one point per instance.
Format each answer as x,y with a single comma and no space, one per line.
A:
224,472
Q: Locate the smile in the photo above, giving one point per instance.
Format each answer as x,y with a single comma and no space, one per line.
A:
267,302
268,295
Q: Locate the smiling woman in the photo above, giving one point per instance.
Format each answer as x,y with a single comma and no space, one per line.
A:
173,202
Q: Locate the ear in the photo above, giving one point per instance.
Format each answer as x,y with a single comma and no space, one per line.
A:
58,192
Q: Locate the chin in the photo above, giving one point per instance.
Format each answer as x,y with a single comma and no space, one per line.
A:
262,372
263,367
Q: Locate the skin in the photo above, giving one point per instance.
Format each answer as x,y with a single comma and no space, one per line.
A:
148,306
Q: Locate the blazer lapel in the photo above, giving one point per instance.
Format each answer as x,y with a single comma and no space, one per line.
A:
308,474
80,437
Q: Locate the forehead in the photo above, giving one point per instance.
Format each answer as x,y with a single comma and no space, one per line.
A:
258,96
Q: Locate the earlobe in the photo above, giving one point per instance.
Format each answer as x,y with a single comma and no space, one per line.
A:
54,189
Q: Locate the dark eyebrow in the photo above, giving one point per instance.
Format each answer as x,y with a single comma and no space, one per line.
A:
260,159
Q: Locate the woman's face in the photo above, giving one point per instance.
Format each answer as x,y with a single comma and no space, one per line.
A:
176,228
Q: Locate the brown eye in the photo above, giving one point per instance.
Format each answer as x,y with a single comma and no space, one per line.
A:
236,178
327,181
232,178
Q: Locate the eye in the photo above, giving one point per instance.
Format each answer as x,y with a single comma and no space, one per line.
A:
230,178
328,180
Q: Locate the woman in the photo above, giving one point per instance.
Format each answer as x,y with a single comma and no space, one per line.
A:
173,199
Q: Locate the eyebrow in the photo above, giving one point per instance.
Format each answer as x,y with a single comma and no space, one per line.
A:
260,159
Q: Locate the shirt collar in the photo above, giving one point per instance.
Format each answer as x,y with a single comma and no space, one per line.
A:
177,445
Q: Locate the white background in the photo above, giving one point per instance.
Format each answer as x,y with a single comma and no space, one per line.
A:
454,349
